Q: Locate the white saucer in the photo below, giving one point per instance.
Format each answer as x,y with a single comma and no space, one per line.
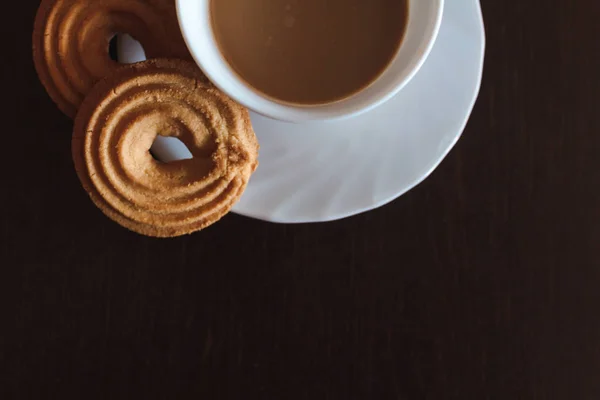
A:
316,172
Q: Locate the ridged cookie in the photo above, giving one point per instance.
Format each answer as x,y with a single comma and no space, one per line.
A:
116,126
71,41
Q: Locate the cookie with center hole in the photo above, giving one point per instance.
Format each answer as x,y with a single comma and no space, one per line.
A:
114,131
71,41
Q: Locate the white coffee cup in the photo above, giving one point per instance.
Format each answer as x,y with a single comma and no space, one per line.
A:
424,19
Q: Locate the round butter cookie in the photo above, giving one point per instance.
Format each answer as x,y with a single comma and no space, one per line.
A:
71,41
116,126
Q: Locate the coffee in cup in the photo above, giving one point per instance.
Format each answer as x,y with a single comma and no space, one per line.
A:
308,51
310,60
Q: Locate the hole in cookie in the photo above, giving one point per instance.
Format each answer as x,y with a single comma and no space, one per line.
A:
127,50
168,149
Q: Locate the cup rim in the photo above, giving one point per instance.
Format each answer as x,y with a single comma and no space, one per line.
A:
340,109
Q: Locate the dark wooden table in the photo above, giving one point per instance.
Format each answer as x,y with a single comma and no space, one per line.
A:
481,283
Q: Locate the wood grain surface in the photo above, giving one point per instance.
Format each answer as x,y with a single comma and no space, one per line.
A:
481,283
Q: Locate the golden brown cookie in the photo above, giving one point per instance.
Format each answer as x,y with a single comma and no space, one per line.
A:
71,41
116,126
